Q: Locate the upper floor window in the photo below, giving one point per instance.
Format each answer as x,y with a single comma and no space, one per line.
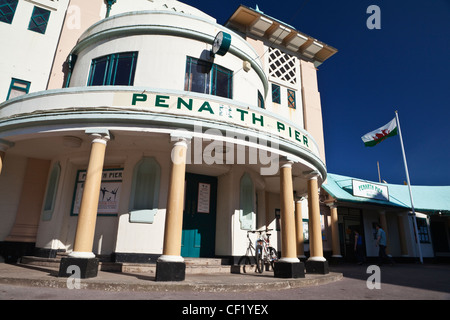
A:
276,93
206,77
260,100
282,66
116,69
39,20
291,99
7,10
18,88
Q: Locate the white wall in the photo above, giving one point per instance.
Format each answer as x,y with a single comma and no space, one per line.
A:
162,59
25,54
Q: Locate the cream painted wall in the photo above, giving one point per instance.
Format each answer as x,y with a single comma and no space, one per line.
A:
29,55
142,237
312,105
81,14
11,181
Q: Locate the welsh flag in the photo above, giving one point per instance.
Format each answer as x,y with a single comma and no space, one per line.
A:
376,136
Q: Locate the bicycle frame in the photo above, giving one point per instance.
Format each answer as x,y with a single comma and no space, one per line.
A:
262,252
265,254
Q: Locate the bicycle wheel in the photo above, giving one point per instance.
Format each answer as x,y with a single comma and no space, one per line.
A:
273,256
244,263
259,259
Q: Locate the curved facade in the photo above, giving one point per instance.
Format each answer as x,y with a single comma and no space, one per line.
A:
155,147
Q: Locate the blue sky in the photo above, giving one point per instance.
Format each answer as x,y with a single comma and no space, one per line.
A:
403,66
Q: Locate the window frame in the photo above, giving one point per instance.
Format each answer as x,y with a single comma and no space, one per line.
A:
51,192
422,229
291,99
275,88
13,86
211,77
247,211
42,13
12,4
110,72
261,103
145,212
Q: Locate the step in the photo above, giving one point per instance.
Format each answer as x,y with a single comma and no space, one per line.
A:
193,265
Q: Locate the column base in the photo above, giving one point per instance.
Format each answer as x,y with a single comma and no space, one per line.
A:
88,267
317,267
170,271
289,269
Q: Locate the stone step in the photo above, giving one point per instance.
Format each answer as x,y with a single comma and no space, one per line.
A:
193,265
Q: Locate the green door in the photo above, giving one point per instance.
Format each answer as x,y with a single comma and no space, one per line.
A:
199,218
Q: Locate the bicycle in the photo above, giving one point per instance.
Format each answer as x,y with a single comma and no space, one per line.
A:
265,254
246,260
262,254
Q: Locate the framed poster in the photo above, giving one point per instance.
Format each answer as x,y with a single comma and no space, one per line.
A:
305,230
110,188
204,191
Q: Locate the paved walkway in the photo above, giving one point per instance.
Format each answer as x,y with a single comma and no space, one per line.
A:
345,282
34,276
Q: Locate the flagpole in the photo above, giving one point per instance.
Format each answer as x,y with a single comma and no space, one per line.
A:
409,188
379,175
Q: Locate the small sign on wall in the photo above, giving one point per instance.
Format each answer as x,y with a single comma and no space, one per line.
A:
204,191
108,201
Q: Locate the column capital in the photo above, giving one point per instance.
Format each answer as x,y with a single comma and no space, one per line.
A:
286,164
286,161
331,204
180,138
100,135
5,145
313,174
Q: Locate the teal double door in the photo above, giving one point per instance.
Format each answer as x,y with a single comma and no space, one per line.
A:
199,216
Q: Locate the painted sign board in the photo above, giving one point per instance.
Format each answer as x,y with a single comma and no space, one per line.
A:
370,190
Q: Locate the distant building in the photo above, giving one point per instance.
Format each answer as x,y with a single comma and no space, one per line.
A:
360,204
144,131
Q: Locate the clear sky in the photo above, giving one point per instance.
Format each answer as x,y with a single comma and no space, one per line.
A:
403,66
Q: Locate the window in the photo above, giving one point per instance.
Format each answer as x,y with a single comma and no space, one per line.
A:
18,88
282,66
39,20
50,195
276,93
7,10
422,228
246,201
145,191
260,100
113,70
206,77
291,98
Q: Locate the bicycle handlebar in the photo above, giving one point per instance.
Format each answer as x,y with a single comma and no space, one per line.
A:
259,231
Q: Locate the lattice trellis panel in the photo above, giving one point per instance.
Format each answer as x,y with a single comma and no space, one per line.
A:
282,66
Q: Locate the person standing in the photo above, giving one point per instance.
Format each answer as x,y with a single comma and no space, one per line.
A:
382,243
359,250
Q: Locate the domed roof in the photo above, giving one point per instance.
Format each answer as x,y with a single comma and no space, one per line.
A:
122,6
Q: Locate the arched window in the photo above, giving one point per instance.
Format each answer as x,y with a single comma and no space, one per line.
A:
145,191
50,195
246,203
